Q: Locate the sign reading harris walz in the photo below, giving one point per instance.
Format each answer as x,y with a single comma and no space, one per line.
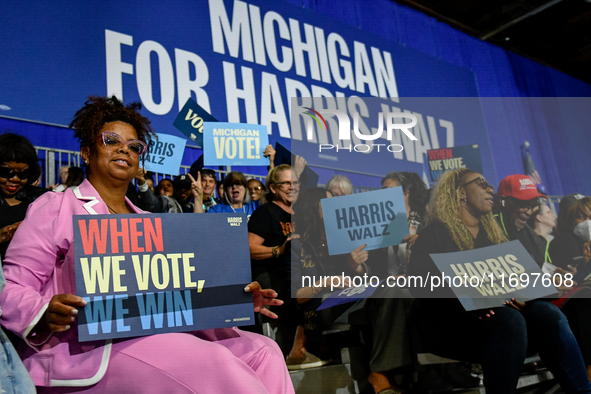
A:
376,218
147,274
487,277
165,154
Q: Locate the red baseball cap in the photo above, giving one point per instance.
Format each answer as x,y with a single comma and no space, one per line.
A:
520,187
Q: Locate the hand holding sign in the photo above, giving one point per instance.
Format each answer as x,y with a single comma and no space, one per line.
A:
61,312
261,297
299,165
140,176
270,153
515,304
357,257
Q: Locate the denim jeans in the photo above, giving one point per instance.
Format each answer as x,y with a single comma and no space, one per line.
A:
14,378
501,343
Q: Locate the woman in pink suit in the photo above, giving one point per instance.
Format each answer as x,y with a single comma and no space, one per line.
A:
38,302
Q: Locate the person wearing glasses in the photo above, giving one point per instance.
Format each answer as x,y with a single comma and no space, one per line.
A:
236,196
269,231
61,186
39,304
460,218
19,168
257,190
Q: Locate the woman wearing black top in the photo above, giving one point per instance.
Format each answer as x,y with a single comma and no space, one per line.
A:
460,218
19,168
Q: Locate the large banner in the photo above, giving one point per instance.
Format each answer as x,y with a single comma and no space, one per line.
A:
152,274
241,61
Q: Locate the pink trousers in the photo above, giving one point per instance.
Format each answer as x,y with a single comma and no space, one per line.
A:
209,362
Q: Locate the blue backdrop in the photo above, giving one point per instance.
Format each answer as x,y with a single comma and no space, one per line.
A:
53,55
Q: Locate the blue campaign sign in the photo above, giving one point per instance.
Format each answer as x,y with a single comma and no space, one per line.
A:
165,155
446,159
487,277
191,119
349,294
376,218
234,144
146,274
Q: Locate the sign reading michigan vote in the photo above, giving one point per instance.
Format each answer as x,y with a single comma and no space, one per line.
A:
487,277
230,144
151,274
376,218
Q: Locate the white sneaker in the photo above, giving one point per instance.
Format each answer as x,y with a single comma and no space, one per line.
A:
307,361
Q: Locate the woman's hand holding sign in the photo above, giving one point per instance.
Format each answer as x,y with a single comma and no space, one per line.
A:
261,297
270,153
61,312
357,259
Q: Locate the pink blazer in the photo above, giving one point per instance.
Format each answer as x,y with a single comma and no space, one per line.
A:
39,264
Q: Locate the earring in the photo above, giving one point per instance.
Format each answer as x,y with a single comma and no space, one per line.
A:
463,200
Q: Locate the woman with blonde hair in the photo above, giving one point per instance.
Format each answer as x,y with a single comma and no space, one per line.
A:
460,218
269,231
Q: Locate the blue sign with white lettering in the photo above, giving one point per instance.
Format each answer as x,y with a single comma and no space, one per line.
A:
377,219
145,274
230,144
190,121
165,155
487,277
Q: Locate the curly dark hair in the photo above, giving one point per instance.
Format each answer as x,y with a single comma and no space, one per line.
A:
14,147
98,111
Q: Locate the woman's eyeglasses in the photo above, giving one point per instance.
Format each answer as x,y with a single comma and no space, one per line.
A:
237,184
255,189
483,183
114,141
7,172
288,183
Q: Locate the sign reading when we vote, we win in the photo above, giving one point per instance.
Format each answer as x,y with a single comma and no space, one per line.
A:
151,274
230,144
376,218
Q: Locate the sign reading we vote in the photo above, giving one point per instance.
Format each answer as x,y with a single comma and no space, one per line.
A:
229,144
151,274
191,119
487,277
446,159
376,218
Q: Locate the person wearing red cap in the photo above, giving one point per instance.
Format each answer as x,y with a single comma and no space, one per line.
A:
518,200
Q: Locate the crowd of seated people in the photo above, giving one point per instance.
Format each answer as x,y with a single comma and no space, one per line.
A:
287,241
